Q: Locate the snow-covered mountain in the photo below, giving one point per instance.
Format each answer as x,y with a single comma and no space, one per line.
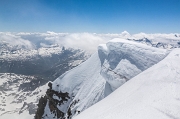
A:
23,80
35,54
163,41
26,67
115,63
29,60
19,95
45,62
153,94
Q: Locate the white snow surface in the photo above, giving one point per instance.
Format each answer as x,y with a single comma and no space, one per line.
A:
125,59
153,94
115,63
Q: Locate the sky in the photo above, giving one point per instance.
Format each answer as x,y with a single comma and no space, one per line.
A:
93,16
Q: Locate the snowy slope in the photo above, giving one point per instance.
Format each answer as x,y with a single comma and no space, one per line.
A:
115,63
153,94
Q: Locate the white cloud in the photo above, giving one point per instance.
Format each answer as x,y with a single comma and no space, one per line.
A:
85,41
15,41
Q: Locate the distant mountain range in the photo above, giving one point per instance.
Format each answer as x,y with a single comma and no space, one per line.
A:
24,70
47,63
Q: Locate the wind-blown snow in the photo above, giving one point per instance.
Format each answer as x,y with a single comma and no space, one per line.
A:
153,94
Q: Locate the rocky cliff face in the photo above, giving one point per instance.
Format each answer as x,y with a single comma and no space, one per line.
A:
51,102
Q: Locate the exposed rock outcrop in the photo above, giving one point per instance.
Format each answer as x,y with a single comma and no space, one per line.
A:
54,100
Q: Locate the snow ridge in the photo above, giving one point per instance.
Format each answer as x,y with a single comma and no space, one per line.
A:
126,59
95,79
153,93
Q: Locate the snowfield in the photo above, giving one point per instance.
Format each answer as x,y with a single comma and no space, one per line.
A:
153,94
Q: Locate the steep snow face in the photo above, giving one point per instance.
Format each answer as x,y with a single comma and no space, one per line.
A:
152,94
84,85
115,62
123,60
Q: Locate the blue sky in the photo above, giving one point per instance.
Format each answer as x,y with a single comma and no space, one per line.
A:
95,16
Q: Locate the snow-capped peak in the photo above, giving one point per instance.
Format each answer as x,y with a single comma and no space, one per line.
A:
115,63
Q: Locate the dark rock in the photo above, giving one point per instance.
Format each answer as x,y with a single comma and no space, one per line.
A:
50,85
41,106
53,103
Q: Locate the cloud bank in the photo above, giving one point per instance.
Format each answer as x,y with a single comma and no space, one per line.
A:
84,41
